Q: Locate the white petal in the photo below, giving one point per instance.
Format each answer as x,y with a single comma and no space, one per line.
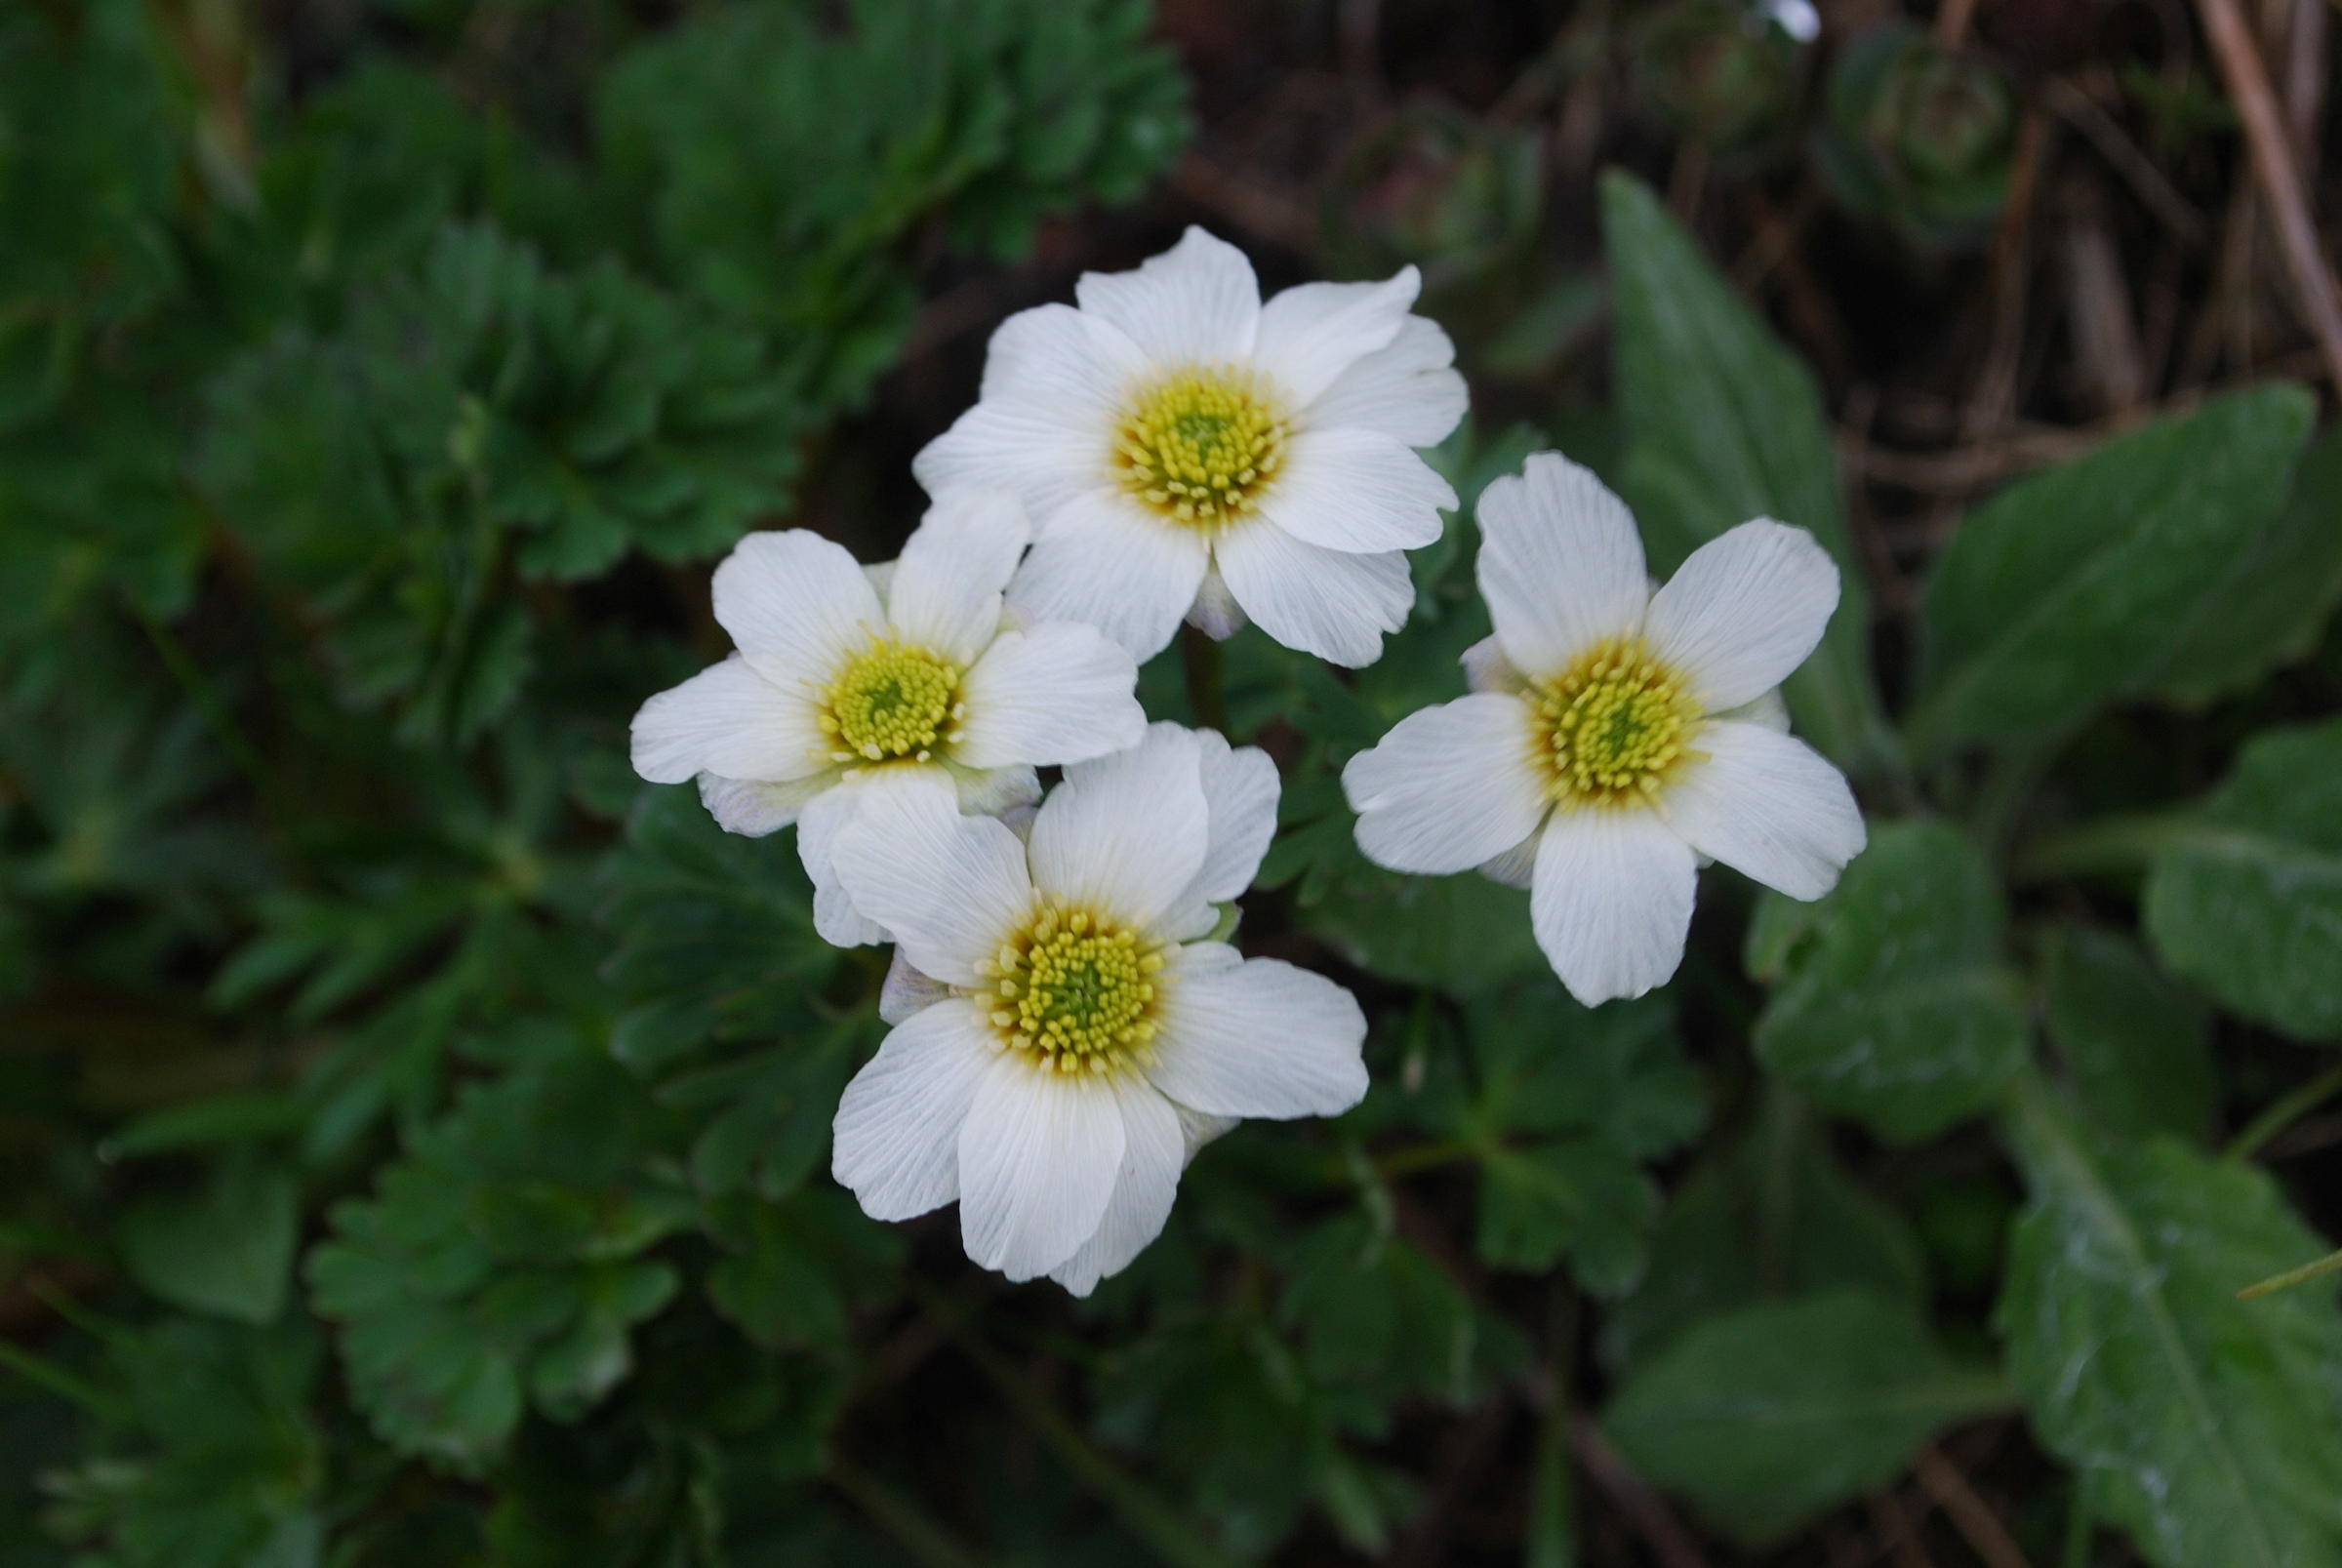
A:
950,887
1311,335
945,594
1611,901
1240,787
1055,354
1768,711
1768,806
797,604
1355,491
754,808
1038,1155
1057,692
1406,391
730,720
1515,867
1257,1037
1126,834
1215,611
1744,610
906,990
1105,561
1197,303
1449,787
1197,1129
1487,669
1153,1153
898,1124
836,919
1330,603
1037,450
1560,563
997,791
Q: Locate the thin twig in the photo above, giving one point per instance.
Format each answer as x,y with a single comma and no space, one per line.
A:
2155,193
1667,1540
2283,1112
2265,129
1976,1523
1951,23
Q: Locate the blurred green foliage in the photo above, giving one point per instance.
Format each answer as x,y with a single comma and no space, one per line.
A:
415,1135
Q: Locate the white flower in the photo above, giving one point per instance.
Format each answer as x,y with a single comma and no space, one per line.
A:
845,678
1186,449
1617,734
1064,1037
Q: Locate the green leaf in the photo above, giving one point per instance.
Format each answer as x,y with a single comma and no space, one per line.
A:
1894,1004
227,1250
1461,934
1768,1415
2072,589
1577,1196
1725,425
2273,604
2137,1047
2246,898
2204,1426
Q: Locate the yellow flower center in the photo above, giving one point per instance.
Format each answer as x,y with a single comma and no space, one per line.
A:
892,700
1200,446
1073,991
1611,727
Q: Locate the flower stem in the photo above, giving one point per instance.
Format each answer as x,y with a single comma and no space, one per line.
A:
1146,1516
2330,1264
2283,1112
1207,694
2112,844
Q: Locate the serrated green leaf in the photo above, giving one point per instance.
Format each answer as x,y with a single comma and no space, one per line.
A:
2204,1426
1577,1196
1723,425
2137,1047
2246,898
2072,589
1767,1416
1898,1007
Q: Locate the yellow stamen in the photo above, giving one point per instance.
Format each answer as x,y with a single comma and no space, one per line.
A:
1200,446
1076,991
891,700
1611,728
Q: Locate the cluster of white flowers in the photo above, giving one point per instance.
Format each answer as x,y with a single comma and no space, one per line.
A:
1067,1029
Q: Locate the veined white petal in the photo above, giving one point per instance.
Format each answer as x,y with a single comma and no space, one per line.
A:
1311,335
1059,692
1408,391
1515,867
1257,1037
1197,1129
1449,787
754,808
1055,354
797,604
946,591
1330,603
906,990
1767,711
1038,1156
728,719
1560,563
1240,787
1125,834
950,887
1768,806
1745,610
1153,1153
1106,561
1354,490
1611,901
897,1133
1197,303
1045,454
836,918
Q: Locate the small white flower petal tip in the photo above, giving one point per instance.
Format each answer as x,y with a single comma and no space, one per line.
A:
1065,1034
1188,452
912,676
1617,734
